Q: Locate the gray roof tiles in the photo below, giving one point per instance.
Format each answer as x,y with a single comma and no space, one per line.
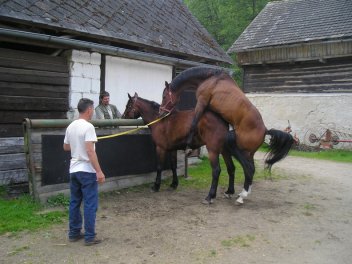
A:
296,21
166,25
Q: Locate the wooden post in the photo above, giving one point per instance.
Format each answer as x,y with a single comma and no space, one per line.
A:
186,165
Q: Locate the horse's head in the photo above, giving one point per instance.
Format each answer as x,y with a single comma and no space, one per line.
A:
169,100
131,112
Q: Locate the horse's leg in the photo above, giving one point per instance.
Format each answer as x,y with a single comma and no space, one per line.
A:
199,110
174,183
249,171
231,172
160,162
214,162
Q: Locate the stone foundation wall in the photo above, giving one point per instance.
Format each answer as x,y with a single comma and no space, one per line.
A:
307,113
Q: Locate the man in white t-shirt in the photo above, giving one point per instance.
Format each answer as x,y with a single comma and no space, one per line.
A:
85,174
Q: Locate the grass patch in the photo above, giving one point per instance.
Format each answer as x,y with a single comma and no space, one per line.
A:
241,241
213,253
24,214
333,155
338,155
18,250
58,200
308,209
200,175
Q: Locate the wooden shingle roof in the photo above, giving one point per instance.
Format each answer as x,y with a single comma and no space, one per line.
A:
297,21
165,26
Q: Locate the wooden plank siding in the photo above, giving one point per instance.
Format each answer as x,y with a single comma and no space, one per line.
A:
295,53
32,85
12,161
332,76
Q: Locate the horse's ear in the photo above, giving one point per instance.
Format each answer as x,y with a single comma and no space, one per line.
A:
135,94
129,96
167,85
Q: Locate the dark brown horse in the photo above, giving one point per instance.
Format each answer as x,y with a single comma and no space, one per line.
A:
216,90
170,134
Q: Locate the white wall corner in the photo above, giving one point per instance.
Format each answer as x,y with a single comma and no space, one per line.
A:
80,56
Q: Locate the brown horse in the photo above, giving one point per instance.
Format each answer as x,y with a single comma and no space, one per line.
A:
170,134
216,90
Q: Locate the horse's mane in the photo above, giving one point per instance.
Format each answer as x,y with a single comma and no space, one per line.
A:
195,75
155,106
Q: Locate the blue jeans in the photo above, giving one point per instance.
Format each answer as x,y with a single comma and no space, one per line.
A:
83,186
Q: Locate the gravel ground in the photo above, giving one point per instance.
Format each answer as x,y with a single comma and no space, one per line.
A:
305,217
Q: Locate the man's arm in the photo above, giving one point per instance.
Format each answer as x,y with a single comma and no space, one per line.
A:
67,147
117,112
92,155
99,113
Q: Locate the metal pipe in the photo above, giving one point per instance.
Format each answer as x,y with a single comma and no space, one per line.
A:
24,37
63,123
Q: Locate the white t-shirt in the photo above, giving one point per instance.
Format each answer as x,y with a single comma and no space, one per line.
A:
77,133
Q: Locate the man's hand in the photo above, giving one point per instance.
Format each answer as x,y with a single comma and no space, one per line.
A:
100,177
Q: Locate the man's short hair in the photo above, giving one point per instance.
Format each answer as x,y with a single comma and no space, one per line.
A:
84,104
103,94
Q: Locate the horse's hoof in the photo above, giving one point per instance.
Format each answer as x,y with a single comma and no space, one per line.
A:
244,194
172,188
207,202
228,195
239,201
154,190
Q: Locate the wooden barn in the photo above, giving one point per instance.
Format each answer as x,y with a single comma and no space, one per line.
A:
52,53
297,61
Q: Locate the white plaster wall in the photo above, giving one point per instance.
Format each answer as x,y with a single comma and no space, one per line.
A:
129,76
313,112
84,70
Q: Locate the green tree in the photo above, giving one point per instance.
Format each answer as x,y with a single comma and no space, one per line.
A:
225,20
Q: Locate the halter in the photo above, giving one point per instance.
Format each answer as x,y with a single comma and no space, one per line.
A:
163,108
131,106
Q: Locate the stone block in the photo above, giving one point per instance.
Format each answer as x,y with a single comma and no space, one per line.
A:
76,69
95,58
80,84
87,71
80,56
95,88
74,98
95,72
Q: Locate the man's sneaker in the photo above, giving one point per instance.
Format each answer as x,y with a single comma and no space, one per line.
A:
76,238
93,242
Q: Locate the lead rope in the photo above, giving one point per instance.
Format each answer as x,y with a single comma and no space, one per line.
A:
133,130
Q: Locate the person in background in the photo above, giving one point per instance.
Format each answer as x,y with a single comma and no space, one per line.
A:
85,174
105,110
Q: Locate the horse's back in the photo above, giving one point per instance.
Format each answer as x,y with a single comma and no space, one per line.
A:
224,97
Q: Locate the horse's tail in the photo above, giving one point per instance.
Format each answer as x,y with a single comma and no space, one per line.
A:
231,145
279,146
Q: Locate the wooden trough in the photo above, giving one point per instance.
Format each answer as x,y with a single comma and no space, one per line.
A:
126,160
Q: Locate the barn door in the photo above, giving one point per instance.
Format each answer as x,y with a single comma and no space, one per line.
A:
32,85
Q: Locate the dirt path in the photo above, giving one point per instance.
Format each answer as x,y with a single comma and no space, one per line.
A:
304,218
